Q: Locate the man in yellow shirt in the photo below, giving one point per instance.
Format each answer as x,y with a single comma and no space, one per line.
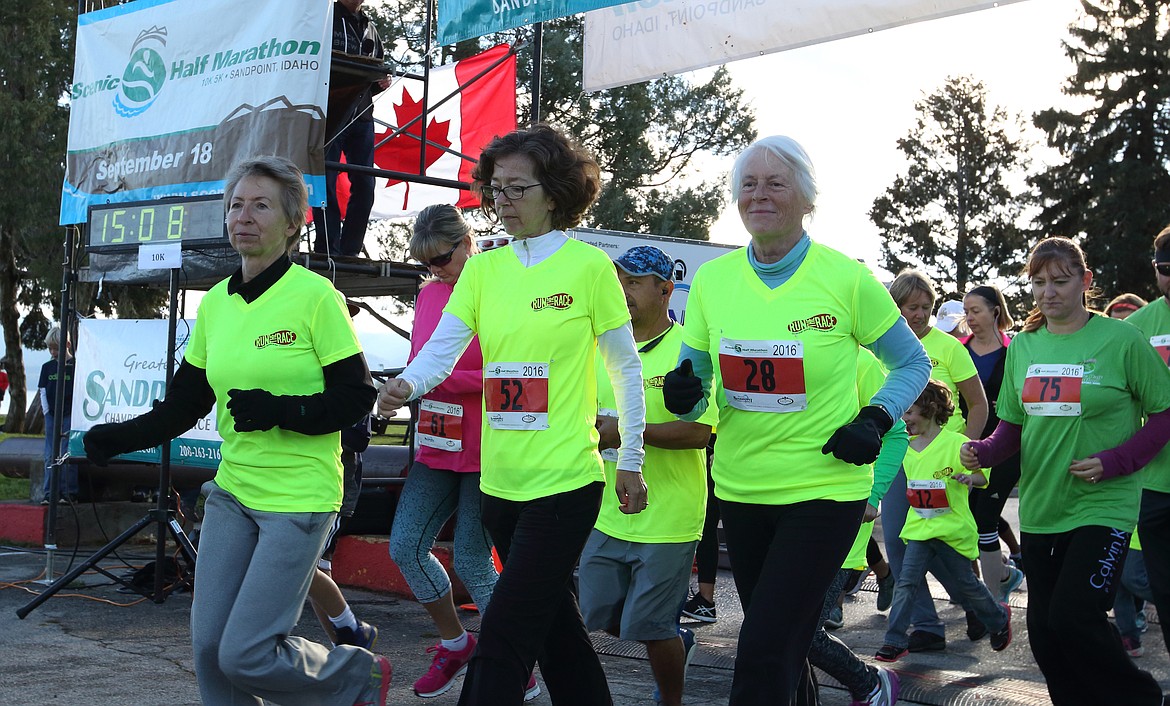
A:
636,569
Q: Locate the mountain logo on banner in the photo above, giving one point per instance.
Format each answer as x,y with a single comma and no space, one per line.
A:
145,73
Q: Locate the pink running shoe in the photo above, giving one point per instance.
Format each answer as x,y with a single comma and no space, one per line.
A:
445,667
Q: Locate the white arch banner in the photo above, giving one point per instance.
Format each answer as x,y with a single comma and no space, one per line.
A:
649,39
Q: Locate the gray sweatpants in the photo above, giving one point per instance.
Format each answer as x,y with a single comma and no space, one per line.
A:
251,579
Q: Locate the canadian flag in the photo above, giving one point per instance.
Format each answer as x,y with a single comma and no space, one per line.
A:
464,124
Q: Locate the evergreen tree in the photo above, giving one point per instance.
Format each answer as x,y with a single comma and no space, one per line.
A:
952,213
1111,190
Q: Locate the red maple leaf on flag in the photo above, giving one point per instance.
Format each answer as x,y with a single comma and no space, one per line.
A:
401,154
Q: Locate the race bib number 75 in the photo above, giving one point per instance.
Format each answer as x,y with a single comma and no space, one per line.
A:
1052,390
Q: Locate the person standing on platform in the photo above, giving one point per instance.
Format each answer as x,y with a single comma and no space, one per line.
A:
47,393
275,353
635,569
1153,320
352,34
1075,390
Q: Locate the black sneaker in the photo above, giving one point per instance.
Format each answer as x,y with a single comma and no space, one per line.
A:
1000,639
923,641
889,653
365,635
699,608
976,630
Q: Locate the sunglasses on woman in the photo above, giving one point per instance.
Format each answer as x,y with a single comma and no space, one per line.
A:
442,260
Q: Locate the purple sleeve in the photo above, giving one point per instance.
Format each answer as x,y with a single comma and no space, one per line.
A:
1000,446
1139,450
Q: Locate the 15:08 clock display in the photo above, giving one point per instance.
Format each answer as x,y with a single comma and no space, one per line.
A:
127,226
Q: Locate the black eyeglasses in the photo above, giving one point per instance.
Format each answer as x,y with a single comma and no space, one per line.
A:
442,260
1163,268
513,192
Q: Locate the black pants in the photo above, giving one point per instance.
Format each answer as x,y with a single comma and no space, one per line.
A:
787,554
533,614
707,552
1154,526
987,503
1072,579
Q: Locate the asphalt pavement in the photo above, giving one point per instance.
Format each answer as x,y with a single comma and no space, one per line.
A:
91,644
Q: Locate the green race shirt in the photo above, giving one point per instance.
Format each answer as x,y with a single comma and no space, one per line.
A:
279,343
950,364
1088,391
538,329
1153,320
939,508
785,364
676,479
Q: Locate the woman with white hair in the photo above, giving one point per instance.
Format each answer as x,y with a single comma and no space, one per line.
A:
772,338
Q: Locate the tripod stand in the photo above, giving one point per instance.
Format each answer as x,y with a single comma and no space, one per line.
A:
162,518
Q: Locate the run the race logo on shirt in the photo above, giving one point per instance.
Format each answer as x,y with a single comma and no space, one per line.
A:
654,382
820,322
276,338
553,301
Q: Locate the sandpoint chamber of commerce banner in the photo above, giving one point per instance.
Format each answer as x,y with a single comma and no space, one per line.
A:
167,95
651,39
120,369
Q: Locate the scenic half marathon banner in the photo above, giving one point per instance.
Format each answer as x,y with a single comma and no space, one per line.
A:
639,41
121,369
168,94
465,19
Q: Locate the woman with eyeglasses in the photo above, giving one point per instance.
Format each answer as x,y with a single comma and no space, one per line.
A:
543,307
444,478
1075,390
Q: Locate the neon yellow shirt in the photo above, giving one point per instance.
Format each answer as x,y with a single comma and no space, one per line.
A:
279,343
1153,320
800,340
676,479
950,364
942,510
541,323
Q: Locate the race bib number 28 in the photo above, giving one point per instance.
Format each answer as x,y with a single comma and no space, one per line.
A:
515,396
1053,390
763,376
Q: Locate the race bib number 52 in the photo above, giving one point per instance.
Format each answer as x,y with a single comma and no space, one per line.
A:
763,376
515,396
1053,390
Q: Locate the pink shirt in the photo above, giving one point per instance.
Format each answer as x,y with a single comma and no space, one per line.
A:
463,387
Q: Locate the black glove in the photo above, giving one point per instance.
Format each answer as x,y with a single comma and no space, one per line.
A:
859,441
681,390
255,410
106,441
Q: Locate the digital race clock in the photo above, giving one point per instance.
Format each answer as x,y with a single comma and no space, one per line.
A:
190,220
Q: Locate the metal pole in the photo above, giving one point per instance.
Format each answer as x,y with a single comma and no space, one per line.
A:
537,53
54,470
427,61
164,469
